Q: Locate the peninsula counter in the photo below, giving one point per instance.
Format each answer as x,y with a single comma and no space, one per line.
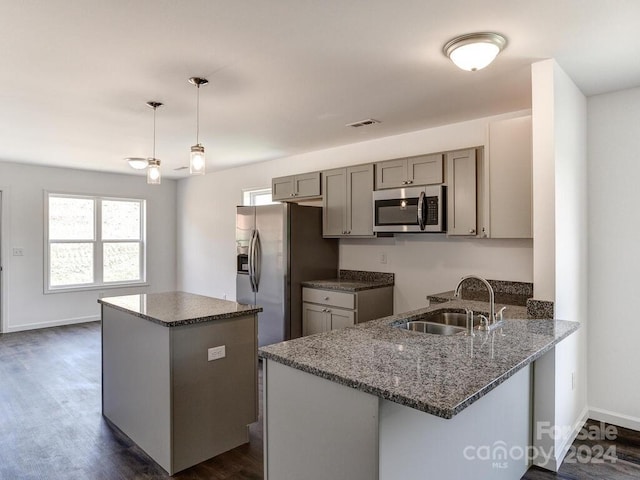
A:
377,402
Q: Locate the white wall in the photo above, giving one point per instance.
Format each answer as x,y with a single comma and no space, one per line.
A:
423,265
560,246
25,306
614,257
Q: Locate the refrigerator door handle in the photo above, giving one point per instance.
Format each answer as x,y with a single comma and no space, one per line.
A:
252,261
257,260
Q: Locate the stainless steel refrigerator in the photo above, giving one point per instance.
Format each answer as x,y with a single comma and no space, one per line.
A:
279,246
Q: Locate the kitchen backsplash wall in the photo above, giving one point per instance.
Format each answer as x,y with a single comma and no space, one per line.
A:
427,264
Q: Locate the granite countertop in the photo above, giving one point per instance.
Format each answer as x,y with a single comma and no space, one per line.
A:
353,281
482,296
440,375
172,309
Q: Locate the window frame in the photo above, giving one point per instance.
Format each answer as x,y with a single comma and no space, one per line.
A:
97,242
249,194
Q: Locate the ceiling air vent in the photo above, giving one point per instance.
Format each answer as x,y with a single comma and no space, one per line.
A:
363,123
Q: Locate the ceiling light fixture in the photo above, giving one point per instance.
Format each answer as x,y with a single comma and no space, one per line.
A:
474,51
137,163
197,163
154,176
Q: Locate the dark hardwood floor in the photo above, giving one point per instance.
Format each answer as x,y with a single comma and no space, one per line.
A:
597,458
51,425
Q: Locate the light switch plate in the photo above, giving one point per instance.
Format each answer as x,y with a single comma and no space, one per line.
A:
216,353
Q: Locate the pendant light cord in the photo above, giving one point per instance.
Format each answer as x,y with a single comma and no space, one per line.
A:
154,132
198,115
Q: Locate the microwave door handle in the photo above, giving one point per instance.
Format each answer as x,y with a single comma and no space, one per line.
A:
421,210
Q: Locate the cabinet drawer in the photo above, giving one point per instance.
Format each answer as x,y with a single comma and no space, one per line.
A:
329,297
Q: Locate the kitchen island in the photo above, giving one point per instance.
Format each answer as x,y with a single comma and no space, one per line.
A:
374,401
179,374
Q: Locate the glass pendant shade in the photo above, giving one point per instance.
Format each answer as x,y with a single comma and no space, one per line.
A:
154,176
197,163
474,51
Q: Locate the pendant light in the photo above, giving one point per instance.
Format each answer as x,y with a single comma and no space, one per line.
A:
474,51
154,176
197,162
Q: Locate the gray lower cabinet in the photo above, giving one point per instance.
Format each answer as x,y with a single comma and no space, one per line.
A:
348,202
325,310
296,187
318,318
418,170
159,388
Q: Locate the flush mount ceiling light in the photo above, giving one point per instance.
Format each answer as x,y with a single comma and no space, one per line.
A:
154,176
197,163
137,163
474,51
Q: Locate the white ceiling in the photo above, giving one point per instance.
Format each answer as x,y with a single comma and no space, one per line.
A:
285,75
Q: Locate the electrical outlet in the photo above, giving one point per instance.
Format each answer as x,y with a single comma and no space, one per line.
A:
383,258
573,381
18,252
216,353
224,296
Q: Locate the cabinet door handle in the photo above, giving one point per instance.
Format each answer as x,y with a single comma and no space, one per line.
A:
326,298
409,182
472,230
404,183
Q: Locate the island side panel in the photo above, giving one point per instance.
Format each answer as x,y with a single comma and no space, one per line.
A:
488,439
316,429
213,401
136,386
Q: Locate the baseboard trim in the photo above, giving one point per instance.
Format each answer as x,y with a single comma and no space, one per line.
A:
614,418
577,426
53,323
558,453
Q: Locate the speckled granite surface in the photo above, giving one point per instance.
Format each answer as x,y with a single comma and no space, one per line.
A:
540,308
440,375
172,309
511,293
354,281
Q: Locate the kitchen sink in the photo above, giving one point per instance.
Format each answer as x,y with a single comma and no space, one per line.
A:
434,328
456,319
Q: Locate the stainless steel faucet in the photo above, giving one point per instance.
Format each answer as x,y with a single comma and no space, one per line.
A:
491,322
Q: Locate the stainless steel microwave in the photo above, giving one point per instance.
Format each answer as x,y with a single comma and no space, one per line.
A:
410,210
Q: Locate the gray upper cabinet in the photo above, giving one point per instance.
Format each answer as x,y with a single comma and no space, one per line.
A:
508,166
296,187
461,193
419,170
348,201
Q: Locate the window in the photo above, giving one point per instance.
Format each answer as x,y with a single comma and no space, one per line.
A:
93,242
261,196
